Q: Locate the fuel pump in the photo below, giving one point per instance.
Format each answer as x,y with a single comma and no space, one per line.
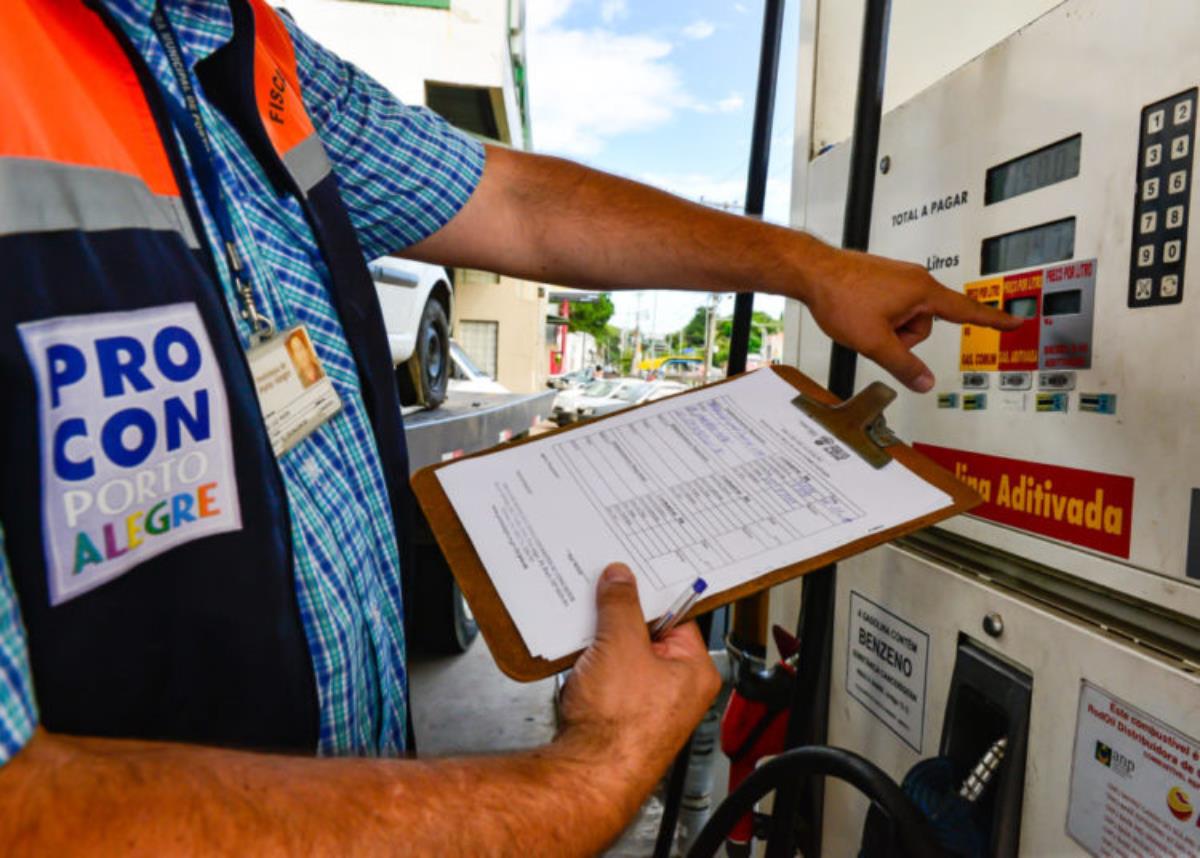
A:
1049,172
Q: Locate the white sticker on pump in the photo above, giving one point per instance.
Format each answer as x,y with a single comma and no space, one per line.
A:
1134,783
886,663
136,455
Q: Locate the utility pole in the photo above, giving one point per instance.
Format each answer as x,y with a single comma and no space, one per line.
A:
637,337
709,338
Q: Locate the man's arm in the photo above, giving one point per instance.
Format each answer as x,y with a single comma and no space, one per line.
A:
556,221
627,710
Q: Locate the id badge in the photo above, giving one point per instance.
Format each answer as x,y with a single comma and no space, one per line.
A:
294,393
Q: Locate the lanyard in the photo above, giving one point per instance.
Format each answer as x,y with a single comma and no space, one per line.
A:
189,123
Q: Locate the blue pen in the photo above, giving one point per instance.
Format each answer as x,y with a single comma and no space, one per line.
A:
678,608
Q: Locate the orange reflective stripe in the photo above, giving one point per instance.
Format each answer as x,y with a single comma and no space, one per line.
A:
70,95
276,83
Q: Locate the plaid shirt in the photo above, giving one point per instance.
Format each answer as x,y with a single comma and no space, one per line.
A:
403,173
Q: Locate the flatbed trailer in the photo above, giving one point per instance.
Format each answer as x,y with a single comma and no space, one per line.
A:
470,422
437,617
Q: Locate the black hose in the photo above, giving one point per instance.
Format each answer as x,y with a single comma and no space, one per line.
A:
915,837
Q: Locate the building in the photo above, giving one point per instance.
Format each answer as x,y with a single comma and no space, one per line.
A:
466,60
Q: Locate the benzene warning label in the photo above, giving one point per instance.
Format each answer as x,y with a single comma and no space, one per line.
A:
886,663
1135,785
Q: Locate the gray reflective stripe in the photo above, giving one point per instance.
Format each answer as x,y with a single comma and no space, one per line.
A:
307,162
46,196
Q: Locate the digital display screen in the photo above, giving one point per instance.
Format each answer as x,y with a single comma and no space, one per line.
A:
1066,303
1025,308
1048,165
1025,248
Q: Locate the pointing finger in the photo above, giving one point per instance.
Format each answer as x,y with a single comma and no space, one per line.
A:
955,307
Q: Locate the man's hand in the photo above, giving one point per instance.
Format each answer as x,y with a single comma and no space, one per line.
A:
550,220
882,308
638,700
628,709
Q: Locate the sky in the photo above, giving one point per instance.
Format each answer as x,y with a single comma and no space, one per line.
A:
661,91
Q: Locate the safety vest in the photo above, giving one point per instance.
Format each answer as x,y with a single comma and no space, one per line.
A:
144,514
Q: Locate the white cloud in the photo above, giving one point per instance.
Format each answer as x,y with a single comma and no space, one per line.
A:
611,10
740,7
699,29
732,103
587,87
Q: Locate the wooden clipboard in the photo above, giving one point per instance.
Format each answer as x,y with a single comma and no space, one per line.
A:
858,423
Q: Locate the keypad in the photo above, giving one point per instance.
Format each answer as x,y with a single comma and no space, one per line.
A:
1160,218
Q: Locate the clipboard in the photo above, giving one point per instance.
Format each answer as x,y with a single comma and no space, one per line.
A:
858,423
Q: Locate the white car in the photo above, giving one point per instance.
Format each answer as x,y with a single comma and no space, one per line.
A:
466,377
417,301
627,396
567,403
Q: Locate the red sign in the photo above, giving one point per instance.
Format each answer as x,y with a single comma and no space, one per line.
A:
1022,297
1086,508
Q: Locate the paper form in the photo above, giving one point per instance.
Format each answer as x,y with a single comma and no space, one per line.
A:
727,483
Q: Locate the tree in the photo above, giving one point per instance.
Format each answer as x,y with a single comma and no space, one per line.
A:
592,317
761,321
693,331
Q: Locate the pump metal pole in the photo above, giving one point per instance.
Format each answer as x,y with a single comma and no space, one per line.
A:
810,702
760,156
749,629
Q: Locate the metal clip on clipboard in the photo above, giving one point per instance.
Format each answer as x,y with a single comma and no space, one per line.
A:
858,422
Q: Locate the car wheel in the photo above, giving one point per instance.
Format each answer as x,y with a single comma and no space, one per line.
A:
444,622
424,376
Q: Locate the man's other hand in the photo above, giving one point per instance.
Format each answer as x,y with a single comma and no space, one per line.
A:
882,308
637,699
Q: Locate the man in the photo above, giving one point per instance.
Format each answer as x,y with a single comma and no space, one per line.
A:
303,359
179,183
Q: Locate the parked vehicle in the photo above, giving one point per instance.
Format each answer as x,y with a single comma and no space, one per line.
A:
627,396
566,404
417,301
467,377
574,378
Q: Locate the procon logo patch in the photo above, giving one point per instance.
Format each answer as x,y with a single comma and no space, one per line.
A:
1180,804
136,448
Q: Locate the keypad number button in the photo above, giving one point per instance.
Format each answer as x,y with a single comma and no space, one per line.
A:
1143,288
1174,217
1146,255
1176,182
1155,121
1149,222
1179,147
1183,112
1169,287
1154,155
1172,251
1150,189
